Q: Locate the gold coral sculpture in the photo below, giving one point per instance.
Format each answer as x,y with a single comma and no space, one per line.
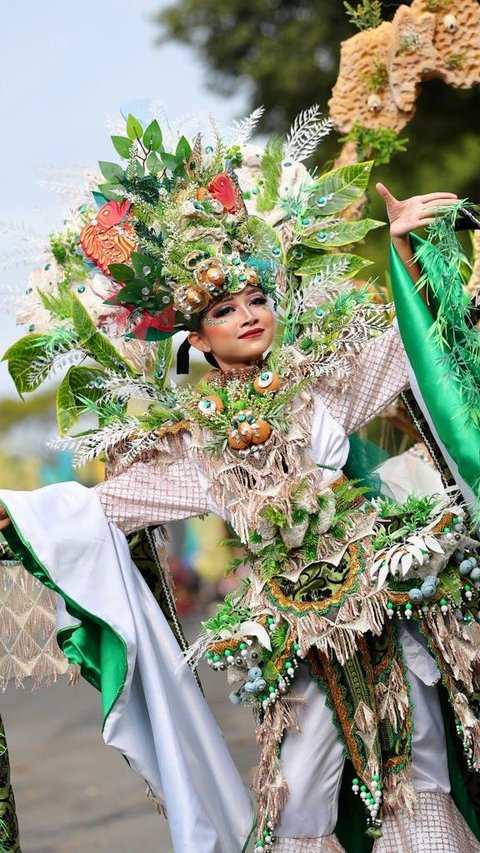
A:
381,69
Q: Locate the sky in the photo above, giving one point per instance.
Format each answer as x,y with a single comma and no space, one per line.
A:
65,69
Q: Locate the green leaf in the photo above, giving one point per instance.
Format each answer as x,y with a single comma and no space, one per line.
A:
271,165
112,172
122,145
343,266
110,191
59,303
339,234
265,236
142,262
105,353
344,184
121,272
75,384
134,128
20,357
83,323
169,161
152,137
98,346
183,150
163,361
153,163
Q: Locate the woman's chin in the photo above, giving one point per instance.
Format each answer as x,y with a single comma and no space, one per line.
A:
253,350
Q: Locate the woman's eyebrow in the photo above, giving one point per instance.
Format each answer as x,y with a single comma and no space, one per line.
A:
230,298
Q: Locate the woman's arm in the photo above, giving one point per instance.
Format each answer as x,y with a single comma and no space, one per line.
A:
149,493
152,493
406,216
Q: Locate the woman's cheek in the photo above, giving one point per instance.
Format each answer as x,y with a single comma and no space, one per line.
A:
219,331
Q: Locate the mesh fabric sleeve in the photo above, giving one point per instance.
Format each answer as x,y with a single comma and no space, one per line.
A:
379,375
152,493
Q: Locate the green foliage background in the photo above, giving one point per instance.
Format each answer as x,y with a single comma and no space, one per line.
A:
286,54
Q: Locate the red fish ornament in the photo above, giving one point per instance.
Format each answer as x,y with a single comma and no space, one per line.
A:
109,238
225,190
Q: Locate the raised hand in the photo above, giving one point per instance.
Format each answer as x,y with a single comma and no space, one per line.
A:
415,212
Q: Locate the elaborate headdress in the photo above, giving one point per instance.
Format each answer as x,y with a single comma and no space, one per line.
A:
180,223
177,229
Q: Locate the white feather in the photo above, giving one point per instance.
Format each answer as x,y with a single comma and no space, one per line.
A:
305,134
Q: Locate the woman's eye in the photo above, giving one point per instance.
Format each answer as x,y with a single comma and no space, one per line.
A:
222,311
259,300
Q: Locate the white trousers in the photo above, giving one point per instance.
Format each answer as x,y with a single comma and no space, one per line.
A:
313,759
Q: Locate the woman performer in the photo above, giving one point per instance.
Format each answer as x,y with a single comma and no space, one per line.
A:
354,609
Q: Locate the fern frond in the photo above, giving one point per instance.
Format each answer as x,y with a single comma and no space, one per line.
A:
243,129
306,133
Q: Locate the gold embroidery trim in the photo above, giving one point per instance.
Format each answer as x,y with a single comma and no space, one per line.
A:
354,569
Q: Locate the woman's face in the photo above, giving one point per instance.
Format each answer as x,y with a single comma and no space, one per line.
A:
237,329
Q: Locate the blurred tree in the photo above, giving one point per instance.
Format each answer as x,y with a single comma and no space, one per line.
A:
286,56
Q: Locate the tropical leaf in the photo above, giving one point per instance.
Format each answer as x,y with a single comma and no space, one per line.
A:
112,172
339,233
152,137
163,360
78,383
20,357
335,190
266,238
272,173
134,128
96,344
317,264
122,145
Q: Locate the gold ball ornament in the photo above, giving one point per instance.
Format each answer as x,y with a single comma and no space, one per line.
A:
196,298
215,277
211,405
252,276
236,441
190,300
261,431
267,382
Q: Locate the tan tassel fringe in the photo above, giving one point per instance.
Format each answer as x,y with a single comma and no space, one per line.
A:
269,784
398,791
458,644
392,698
28,644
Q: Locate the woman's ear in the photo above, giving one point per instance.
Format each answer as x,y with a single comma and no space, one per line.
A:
196,340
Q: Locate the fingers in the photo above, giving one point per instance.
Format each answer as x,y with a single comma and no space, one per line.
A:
429,197
385,193
4,522
434,209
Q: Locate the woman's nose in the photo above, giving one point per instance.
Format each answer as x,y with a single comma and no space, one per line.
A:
248,316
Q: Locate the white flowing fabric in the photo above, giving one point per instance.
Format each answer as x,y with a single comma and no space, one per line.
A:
160,722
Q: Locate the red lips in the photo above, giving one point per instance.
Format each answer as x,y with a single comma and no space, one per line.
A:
252,333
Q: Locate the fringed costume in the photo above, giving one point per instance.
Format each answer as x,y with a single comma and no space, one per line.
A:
354,635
